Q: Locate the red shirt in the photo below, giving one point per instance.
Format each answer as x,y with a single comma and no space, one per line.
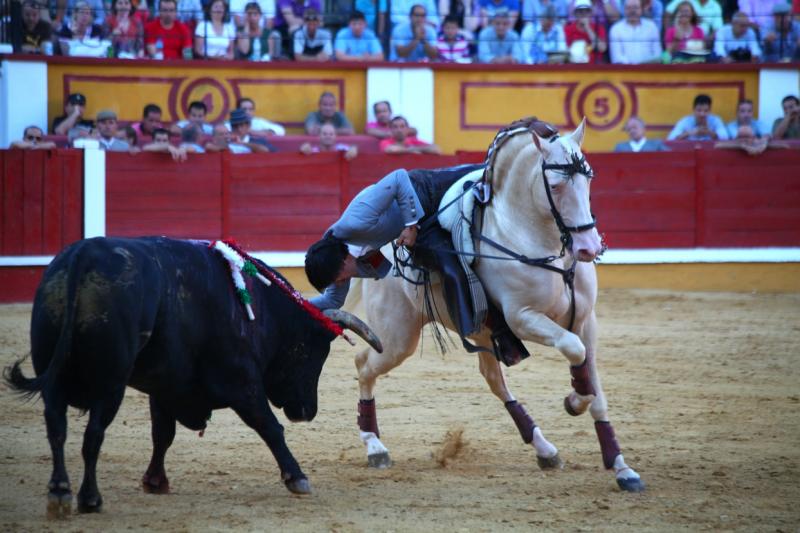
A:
175,39
573,33
410,141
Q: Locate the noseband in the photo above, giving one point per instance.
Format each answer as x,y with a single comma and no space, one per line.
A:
577,165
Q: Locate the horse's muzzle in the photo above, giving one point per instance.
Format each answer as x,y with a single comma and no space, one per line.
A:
586,245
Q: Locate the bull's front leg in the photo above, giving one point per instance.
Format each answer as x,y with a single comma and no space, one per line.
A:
258,415
533,326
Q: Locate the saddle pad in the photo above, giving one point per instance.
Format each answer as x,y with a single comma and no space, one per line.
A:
457,218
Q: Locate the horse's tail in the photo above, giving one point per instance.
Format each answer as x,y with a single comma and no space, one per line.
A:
29,387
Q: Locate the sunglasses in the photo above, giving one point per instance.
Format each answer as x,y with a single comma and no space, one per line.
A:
33,138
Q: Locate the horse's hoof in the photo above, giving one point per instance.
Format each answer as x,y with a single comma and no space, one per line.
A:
550,463
59,505
379,460
155,484
633,484
298,486
90,505
568,408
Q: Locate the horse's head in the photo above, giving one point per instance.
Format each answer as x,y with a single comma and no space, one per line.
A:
567,177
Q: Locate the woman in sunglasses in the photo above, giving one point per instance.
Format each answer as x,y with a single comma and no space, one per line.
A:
32,139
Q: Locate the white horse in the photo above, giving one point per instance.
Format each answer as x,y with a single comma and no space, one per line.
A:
539,208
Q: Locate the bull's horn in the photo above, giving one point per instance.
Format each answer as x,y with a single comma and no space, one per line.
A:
356,325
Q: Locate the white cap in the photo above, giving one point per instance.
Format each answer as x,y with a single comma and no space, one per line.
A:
582,4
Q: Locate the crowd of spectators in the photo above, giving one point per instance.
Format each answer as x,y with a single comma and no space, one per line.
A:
245,132
462,31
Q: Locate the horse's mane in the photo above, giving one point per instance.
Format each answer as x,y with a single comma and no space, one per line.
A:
530,124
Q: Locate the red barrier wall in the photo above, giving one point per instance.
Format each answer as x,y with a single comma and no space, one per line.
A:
283,202
41,204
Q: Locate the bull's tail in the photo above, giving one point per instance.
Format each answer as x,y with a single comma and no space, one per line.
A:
29,387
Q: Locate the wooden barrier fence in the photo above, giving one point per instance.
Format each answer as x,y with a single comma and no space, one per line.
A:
285,201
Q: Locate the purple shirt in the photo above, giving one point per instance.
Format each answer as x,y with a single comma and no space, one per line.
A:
297,9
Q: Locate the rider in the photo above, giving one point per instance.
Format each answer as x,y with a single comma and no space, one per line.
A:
396,207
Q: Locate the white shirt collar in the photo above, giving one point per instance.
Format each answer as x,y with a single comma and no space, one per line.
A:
636,146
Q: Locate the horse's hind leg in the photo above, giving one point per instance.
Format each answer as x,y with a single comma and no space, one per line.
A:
59,496
100,416
546,454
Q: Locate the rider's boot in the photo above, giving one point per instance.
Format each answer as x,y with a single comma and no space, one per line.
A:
508,348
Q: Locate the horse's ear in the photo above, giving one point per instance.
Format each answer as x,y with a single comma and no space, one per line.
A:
577,135
541,145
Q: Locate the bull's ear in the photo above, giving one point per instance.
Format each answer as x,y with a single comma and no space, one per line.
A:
577,135
541,144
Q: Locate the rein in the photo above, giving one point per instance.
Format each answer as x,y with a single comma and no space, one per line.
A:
577,165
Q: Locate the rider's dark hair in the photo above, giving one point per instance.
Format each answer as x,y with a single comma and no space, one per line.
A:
702,99
324,261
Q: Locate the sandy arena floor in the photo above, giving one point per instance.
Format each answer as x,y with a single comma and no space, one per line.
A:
702,387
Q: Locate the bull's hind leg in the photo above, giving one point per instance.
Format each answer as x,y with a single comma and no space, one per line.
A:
627,478
400,331
100,416
59,495
546,454
155,479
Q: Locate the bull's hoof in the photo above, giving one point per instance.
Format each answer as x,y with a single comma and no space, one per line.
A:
93,504
298,486
59,505
155,484
379,460
550,463
633,484
568,408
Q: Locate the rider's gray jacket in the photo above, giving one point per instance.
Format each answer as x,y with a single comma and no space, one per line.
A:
376,216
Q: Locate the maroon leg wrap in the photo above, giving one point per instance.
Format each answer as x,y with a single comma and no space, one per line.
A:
367,420
608,442
522,419
580,379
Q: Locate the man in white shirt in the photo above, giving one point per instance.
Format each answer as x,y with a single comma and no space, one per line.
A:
635,129
257,124
634,40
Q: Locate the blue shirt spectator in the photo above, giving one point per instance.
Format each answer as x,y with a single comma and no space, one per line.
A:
744,117
490,8
357,42
542,38
402,8
781,37
695,131
499,43
370,13
533,10
403,36
737,42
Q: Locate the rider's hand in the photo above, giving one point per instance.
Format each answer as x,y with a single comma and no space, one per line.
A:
408,237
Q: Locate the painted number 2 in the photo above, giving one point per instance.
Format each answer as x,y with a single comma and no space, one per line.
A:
601,107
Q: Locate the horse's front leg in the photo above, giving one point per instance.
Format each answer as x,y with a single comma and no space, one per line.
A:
546,454
531,325
398,322
627,478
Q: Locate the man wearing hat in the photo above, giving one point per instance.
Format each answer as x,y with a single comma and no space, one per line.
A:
240,126
583,28
72,119
781,37
312,43
107,132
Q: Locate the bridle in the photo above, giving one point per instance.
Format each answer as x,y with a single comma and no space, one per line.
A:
577,165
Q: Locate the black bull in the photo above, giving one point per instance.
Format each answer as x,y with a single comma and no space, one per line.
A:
162,316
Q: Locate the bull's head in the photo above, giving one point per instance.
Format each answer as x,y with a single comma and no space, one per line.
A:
294,386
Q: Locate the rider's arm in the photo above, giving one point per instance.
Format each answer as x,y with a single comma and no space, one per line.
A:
334,296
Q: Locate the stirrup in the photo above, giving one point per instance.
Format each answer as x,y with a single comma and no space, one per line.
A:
508,349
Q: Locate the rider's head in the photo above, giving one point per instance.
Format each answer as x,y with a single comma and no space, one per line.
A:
325,260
